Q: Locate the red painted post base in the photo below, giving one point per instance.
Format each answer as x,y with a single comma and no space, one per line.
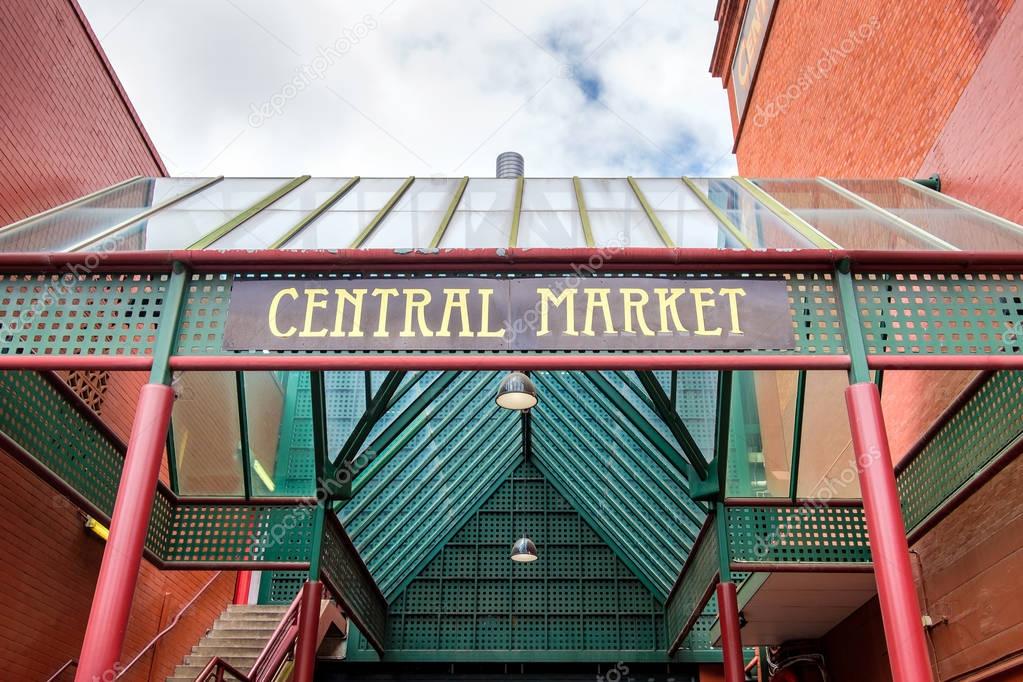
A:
308,627
122,557
242,584
896,589
731,639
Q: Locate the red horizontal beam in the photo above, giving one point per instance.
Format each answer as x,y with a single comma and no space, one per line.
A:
520,361
74,362
800,567
980,362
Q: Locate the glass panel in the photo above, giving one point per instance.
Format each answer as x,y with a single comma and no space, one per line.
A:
207,437
489,194
264,414
668,194
620,229
755,221
958,226
552,229
844,222
369,195
478,229
609,194
66,228
268,225
697,230
827,464
428,194
167,229
406,229
548,194
231,194
346,404
332,230
761,433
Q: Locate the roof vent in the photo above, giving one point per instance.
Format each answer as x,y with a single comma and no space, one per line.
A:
510,165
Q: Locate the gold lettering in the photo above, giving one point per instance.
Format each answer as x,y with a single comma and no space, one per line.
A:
355,298
548,298
312,305
597,298
733,307
385,295
634,301
701,325
274,305
455,298
666,299
485,332
416,301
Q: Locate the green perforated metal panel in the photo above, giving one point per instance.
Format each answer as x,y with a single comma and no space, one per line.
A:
941,313
797,534
80,314
578,596
812,297
35,416
698,577
239,532
988,423
349,580
281,587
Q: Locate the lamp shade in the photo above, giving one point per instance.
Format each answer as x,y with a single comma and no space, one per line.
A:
524,551
516,392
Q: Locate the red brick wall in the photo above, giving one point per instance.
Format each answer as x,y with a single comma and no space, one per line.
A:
934,88
66,129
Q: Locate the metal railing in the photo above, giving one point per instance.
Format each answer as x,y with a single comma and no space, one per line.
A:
72,663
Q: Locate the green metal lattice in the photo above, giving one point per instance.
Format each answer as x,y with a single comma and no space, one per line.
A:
350,581
694,586
77,313
577,597
806,534
242,532
984,427
954,313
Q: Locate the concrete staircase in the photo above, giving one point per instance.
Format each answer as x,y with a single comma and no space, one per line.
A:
238,637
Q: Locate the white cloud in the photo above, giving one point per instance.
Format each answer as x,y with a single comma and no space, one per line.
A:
404,87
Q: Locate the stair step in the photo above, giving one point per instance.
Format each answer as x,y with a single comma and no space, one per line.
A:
251,618
228,653
242,639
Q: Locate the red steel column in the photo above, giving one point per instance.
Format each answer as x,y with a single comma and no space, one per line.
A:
242,583
122,558
731,639
896,589
308,630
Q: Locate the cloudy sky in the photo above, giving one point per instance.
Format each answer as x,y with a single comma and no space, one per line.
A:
417,87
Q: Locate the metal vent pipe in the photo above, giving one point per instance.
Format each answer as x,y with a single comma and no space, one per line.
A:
510,165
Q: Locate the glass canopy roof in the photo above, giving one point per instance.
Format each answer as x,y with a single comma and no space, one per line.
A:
337,213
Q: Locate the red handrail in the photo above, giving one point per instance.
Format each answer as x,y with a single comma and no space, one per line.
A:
72,663
217,667
170,625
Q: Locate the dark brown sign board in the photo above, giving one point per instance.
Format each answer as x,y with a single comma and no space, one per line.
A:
509,314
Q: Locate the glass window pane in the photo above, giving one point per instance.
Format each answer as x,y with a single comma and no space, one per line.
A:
697,230
207,437
551,229
167,229
762,422
428,194
668,194
489,194
827,464
264,416
407,229
478,229
68,227
609,194
844,222
231,194
761,227
332,230
548,194
309,195
958,226
622,229
369,195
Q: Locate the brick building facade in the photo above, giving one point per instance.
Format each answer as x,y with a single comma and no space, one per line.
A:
879,89
68,129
